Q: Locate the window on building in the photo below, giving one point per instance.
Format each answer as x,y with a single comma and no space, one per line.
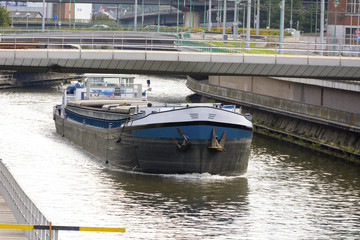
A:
352,6
350,35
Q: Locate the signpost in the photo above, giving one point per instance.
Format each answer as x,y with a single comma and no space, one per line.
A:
357,37
55,19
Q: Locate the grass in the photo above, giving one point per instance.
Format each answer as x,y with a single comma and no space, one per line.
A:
228,47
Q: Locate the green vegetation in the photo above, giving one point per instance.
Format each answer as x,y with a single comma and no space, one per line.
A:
5,18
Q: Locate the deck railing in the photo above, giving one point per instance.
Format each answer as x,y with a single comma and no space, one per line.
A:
194,41
23,208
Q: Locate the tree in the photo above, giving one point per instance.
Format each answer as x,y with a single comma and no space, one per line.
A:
5,18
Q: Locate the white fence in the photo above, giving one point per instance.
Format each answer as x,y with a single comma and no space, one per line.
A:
23,208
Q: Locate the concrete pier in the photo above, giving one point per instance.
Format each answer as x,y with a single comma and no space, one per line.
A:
7,217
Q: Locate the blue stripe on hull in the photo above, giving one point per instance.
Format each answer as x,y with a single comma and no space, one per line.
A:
103,123
193,132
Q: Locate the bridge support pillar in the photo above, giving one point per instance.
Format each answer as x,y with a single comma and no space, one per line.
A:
191,19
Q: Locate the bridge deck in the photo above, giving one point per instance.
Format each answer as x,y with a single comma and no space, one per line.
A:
7,217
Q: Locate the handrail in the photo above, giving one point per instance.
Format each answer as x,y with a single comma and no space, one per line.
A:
23,208
84,40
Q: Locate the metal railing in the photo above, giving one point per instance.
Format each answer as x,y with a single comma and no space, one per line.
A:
198,42
23,208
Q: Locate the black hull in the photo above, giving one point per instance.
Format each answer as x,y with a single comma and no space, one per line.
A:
120,149
162,156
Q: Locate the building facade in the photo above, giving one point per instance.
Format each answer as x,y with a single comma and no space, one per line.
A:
343,22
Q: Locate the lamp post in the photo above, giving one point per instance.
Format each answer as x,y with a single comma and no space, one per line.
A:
235,21
158,23
269,13
142,17
209,27
135,15
204,19
27,20
43,17
248,24
336,4
177,18
70,14
74,13
224,21
60,14
282,17
322,16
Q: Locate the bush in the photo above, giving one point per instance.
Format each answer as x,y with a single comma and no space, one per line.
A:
5,18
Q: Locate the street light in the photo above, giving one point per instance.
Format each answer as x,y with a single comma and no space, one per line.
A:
27,20
336,4
282,17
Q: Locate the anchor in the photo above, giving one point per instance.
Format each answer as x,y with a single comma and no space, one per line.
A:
186,142
215,144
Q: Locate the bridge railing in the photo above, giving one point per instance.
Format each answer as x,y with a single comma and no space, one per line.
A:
109,40
23,208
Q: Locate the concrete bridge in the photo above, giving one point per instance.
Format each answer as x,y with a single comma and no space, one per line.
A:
164,54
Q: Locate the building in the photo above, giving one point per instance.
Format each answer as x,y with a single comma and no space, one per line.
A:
342,26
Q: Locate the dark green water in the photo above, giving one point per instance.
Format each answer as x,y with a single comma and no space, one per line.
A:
288,193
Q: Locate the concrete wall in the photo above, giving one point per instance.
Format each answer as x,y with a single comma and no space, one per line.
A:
345,101
195,19
332,98
334,132
260,85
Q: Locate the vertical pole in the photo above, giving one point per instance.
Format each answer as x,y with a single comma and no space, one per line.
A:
269,13
190,24
142,16
282,16
74,13
351,23
235,21
210,23
248,24
177,17
254,14
204,18
219,14
43,17
224,20
316,19
243,23
60,13
135,16
311,17
70,14
358,13
335,30
258,17
322,17
291,12
158,26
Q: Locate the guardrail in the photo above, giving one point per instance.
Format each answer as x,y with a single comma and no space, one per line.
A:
35,225
200,42
23,208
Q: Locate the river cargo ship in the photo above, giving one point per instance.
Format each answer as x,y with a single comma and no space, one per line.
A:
111,118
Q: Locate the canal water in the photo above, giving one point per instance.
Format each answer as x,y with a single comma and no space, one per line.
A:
288,193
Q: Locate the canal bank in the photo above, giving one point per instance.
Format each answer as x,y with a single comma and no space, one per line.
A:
318,114
18,79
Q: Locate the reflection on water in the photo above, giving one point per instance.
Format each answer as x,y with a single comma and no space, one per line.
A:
288,193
